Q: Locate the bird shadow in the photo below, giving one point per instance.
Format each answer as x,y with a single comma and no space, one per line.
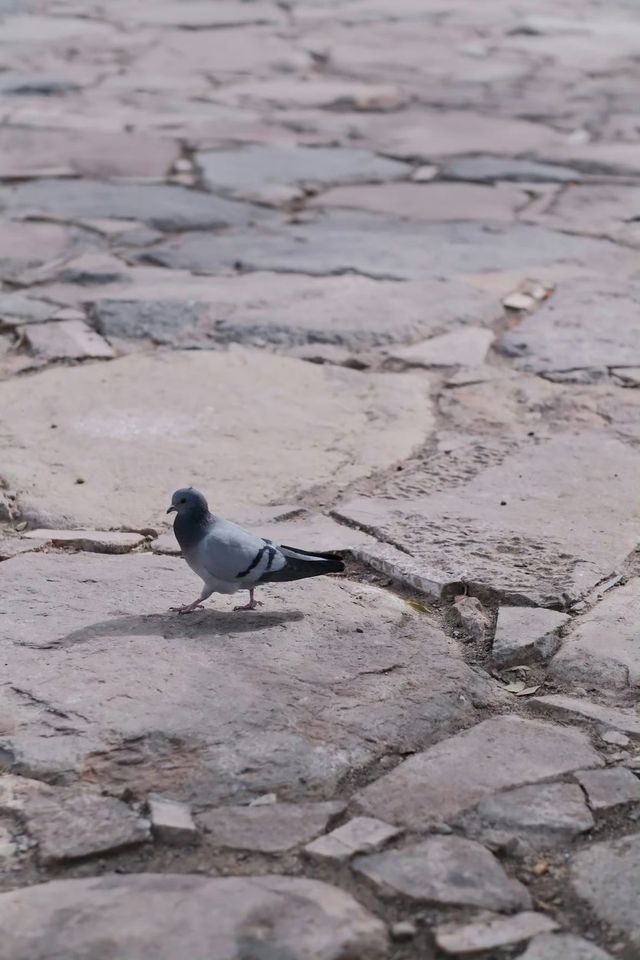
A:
207,623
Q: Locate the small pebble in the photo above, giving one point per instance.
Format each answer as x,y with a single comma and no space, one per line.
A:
402,931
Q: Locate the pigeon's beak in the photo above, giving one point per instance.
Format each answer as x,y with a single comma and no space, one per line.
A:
172,509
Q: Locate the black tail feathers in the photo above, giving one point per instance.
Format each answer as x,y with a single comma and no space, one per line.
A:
303,563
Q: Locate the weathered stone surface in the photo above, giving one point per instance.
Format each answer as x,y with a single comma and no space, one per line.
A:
69,825
288,310
358,835
488,169
602,211
458,773
469,614
607,878
16,309
606,315
17,792
544,526
445,870
148,415
313,92
624,719
253,167
549,808
492,933
96,541
466,347
158,917
550,946
164,207
66,340
12,547
200,13
385,680
602,649
172,822
271,828
24,246
609,788
526,633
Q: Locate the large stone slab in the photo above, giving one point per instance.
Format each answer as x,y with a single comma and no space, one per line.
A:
29,245
602,650
526,633
607,878
549,811
458,773
192,417
193,706
269,828
492,932
543,526
623,719
586,325
563,946
158,917
601,211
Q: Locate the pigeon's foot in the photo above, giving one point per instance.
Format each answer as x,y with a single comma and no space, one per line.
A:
249,606
188,607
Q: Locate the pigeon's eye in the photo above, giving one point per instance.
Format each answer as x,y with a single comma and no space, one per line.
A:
184,500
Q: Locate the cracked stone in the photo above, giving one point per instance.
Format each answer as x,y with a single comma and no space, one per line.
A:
12,547
16,792
597,210
467,347
26,246
171,821
492,933
313,92
585,659
471,616
607,877
161,916
548,809
586,325
487,169
16,309
445,870
355,693
96,541
358,835
524,634
456,774
253,167
623,719
69,825
147,415
543,527
270,828
553,946
609,788
66,340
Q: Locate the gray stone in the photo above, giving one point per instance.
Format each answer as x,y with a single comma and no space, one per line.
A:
526,633
469,614
358,835
549,808
614,738
487,169
403,931
614,664
26,246
492,933
17,792
624,719
606,315
607,878
606,210
609,788
162,916
171,821
16,309
456,774
445,870
164,207
128,724
268,828
66,340
253,167
542,527
466,347
69,825
563,946
12,547
313,92
95,541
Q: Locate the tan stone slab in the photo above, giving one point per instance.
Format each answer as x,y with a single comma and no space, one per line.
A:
270,828
66,340
491,933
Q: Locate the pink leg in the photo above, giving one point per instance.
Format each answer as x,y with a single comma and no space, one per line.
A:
252,603
189,607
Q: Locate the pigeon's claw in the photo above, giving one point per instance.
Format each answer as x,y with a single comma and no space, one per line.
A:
188,607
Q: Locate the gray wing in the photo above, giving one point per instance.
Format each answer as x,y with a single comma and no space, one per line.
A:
234,555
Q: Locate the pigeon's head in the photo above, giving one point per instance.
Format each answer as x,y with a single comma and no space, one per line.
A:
188,502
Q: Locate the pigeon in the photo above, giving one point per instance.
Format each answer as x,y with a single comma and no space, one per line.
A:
228,558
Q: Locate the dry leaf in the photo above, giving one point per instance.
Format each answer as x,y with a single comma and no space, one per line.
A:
516,686
528,691
420,607
539,869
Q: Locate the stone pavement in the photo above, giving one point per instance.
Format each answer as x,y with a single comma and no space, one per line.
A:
368,273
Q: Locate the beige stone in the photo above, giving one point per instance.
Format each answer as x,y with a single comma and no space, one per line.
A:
435,202
492,932
268,828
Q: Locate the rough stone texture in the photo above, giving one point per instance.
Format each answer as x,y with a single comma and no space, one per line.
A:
358,835
361,671
445,870
69,825
461,347
65,340
526,633
158,917
488,169
12,547
607,877
586,656
544,526
151,415
271,828
95,541
607,317
458,773
492,933
550,946
16,309
610,788
618,718
172,822
470,616
550,808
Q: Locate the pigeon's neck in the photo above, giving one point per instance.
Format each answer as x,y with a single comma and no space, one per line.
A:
191,528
